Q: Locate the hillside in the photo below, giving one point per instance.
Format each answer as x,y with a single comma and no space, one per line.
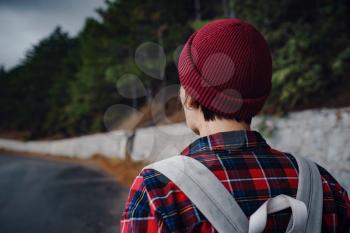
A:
120,63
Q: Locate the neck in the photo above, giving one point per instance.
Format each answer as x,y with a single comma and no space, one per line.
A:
211,127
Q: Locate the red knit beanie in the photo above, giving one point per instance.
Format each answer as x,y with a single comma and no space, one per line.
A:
226,66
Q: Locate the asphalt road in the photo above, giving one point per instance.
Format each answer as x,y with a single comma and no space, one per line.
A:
41,196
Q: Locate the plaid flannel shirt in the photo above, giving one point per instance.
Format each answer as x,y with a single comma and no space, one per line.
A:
250,170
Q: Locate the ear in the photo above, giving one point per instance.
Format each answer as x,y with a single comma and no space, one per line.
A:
190,103
187,101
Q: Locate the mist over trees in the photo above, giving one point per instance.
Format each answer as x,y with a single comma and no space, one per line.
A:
65,84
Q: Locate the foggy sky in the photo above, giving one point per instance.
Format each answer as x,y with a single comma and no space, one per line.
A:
24,22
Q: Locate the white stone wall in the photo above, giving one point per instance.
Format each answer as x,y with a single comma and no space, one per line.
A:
111,144
155,143
323,135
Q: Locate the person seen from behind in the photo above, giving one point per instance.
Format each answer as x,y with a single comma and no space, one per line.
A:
225,72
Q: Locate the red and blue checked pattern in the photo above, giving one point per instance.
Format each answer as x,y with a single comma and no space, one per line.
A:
250,170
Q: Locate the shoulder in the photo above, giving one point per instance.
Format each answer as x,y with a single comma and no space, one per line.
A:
153,179
336,204
137,204
145,188
155,182
327,178
333,188
152,174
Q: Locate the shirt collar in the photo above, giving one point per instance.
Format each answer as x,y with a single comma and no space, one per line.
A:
229,141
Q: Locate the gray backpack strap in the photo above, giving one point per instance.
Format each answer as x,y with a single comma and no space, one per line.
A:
310,192
218,205
215,203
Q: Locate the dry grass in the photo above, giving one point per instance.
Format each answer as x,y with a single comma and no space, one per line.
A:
138,119
124,171
151,114
15,135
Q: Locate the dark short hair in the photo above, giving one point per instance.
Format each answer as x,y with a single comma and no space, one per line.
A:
209,115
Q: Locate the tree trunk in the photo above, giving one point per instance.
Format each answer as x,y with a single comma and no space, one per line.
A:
225,8
197,8
231,9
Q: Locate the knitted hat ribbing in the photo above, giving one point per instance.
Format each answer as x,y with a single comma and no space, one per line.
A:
226,66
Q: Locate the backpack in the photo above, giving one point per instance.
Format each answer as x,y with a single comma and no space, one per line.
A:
220,208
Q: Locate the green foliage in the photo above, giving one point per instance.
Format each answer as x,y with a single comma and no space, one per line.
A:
27,93
197,24
309,43
64,85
